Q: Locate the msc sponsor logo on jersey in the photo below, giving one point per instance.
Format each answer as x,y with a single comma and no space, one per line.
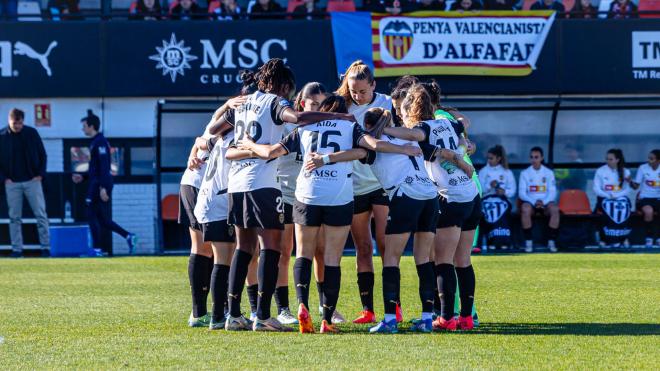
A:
494,208
398,38
174,57
321,173
9,50
618,209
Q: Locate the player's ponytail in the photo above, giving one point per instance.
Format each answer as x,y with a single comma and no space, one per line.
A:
310,89
418,105
334,103
276,78
358,70
376,120
620,166
499,151
249,81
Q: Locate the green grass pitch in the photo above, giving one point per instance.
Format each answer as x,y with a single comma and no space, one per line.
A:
561,311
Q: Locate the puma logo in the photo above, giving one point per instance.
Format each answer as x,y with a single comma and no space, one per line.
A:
260,293
233,296
364,293
301,285
21,48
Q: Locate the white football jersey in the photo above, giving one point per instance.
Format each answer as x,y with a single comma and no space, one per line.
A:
260,118
452,182
537,185
606,183
400,173
212,199
649,181
504,178
288,169
331,184
364,180
194,177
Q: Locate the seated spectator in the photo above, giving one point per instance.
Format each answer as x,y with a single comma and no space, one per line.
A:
393,7
64,9
466,5
499,4
431,5
8,9
225,10
612,188
147,10
648,178
187,10
308,10
622,9
548,5
537,191
373,6
584,9
265,9
498,186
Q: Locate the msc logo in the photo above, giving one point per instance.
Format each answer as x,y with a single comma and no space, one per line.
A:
173,57
21,48
397,38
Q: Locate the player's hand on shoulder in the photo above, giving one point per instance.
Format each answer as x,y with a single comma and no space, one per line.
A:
237,101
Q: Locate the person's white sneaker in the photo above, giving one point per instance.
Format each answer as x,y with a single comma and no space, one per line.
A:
529,246
286,318
551,246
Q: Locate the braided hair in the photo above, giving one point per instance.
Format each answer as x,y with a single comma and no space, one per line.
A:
276,78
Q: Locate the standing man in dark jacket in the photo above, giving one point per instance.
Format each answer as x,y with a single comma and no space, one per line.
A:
99,189
22,168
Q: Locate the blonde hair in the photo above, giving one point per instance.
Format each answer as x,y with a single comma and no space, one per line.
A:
358,70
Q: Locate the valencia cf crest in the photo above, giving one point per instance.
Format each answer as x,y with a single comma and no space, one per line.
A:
494,207
281,216
618,209
398,38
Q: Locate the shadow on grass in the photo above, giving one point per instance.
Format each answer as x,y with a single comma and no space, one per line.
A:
586,329
591,329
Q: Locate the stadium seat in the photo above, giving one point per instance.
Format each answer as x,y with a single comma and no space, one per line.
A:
170,207
293,4
574,202
132,9
213,5
341,6
30,9
649,5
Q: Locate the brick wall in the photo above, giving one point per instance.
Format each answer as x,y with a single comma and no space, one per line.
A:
134,207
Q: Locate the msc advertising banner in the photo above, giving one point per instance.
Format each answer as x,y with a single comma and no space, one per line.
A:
502,43
205,58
